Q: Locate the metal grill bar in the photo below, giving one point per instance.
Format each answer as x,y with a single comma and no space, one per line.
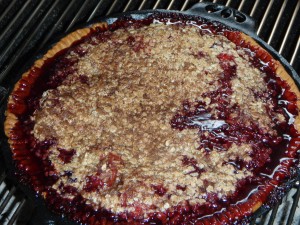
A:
16,212
11,5
265,17
228,3
27,41
75,19
2,177
10,204
254,8
8,30
54,27
273,215
16,39
142,4
294,206
127,6
292,62
263,219
6,199
95,10
184,5
112,7
277,22
241,5
156,4
289,28
170,5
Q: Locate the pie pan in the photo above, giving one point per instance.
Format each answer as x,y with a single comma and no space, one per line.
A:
286,175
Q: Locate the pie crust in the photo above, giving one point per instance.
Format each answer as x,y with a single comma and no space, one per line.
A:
239,212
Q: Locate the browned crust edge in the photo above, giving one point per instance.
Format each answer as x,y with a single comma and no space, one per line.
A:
283,74
66,42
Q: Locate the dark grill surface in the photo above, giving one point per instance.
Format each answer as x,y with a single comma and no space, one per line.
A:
27,26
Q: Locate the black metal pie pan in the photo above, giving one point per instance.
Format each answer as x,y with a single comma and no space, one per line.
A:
212,12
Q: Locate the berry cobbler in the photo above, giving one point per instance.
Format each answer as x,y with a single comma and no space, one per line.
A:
165,120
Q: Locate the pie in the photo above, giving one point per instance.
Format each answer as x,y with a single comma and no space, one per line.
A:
170,119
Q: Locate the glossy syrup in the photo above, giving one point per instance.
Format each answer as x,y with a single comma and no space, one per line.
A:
268,152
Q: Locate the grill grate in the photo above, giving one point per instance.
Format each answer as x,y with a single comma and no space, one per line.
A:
26,26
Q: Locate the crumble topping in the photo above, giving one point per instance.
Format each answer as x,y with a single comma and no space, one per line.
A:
112,117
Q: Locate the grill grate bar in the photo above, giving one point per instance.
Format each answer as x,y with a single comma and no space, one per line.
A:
156,4
8,30
17,37
170,5
112,7
21,49
254,8
11,5
75,19
2,178
265,17
274,214
282,8
294,206
127,6
292,62
16,213
289,28
228,2
7,198
54,27
241,5
142,4
93,14
263,219
184,5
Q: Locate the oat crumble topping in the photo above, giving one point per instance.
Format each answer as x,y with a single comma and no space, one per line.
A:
117,122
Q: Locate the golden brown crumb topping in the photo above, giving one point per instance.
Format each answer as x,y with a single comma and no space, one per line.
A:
118,120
